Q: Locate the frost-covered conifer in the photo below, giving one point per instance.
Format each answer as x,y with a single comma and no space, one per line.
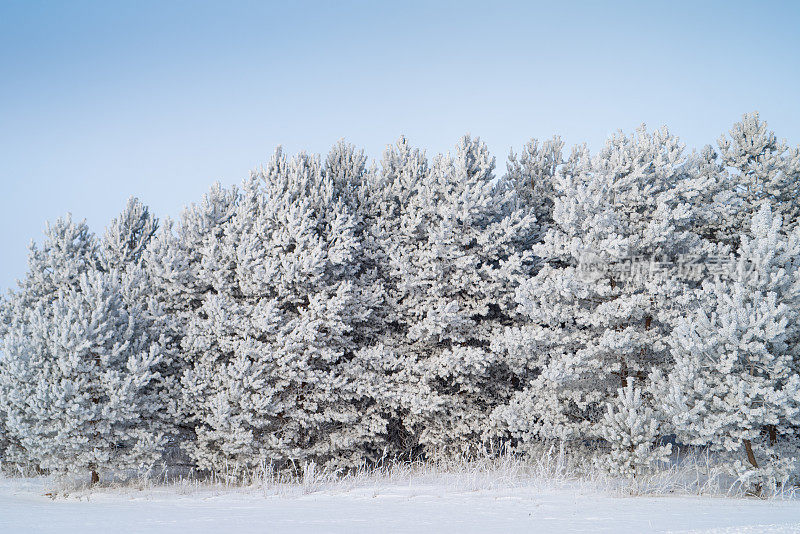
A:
127,237
5,439
177,284
735,384
454,243
599,308
711,190
283,369
54,282
390,234
123,251
68,251
532,174
766,170
631,429
77,382
175,253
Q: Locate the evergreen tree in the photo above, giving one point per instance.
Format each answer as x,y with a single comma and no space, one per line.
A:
77,382
532,174
599,308
173,259
631,428
123,250
455,257
282,371
176,285
127,237
391,233
735,384
68,252
765,170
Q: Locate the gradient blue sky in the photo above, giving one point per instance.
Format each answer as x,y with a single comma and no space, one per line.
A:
103,100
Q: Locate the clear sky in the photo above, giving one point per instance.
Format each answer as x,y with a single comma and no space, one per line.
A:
103,100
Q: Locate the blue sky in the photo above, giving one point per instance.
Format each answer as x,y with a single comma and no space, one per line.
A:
103,100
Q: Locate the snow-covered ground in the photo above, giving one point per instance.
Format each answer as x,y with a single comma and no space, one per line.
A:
401,507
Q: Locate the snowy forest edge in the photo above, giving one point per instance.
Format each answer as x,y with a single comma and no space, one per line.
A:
629,305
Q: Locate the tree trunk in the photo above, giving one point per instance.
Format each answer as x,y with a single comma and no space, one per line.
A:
751,457
749,450
95,477
623,372
773,434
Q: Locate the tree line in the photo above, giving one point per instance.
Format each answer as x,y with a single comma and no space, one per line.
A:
344,312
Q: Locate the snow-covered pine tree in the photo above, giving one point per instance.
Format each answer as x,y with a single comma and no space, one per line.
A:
68,251
631,428
5,321
735,385
77,381
5,439
598,310
711,190
454,238
127,236
765,170
178,284
346,168
283,372
532,174
174,255
389,235
123,250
